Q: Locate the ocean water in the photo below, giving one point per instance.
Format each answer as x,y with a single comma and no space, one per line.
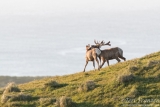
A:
49,45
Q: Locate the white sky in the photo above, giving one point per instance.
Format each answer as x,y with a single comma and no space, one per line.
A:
28,27
16,7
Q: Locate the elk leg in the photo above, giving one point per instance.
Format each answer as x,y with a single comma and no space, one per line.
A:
122,58
99,60
85,66
108,62
118,59
94,65
103,61
98,63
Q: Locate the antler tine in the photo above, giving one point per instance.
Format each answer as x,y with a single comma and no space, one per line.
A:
95,42
102,42
108,43
99,42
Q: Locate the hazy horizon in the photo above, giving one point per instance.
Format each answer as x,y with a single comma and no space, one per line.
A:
46,38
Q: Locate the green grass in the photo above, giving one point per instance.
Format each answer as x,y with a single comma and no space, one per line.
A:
109,91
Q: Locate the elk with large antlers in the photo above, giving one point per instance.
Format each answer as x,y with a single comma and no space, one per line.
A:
93,52
112,53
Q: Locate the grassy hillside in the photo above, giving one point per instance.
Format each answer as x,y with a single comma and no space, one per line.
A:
132,83
18,80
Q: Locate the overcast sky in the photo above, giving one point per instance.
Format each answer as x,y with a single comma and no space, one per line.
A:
34,32
62,7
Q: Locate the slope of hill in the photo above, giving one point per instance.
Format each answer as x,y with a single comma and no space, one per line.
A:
131,83
18,80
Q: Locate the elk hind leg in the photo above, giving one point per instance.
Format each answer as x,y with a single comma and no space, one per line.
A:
122,58
118,59
108,62
97,62
94,65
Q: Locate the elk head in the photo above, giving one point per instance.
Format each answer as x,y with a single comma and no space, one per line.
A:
88,47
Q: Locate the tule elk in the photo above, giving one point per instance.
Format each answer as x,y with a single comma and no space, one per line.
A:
93,52
112,53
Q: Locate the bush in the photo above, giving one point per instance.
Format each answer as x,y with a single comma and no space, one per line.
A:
17,97
152,63
21,97
87,86
125,78
46,101
51,83
5,98
65,102
11,87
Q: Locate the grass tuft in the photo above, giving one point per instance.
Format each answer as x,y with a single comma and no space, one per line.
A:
65,102
11,87
21,97
87,86
5,98
47,101
51,83
125,77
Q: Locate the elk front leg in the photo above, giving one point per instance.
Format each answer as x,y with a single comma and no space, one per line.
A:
103,61
85,66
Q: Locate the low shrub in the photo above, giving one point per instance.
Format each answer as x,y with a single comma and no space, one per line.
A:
21,97
52,84
87,86
125,78
5,98
11,87
15,97
65,102
47,101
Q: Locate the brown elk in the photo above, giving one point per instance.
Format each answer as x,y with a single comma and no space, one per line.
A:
112,53
93,52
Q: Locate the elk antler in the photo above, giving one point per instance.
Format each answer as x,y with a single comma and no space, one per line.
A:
108,43
96,42
102,42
